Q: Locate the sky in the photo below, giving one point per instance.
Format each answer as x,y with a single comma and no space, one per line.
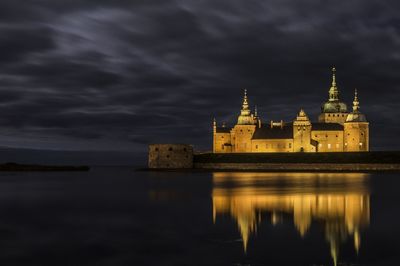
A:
118,75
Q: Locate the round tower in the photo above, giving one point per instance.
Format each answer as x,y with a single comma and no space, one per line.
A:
356,129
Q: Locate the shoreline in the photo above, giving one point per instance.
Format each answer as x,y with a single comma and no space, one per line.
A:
281,167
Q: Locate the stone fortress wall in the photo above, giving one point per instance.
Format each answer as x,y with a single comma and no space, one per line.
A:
170,156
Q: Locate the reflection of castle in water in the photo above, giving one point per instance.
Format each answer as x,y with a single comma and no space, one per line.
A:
339,201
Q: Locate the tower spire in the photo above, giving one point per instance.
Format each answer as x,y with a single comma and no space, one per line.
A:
333,91
245,105
356,103
255,111
333,77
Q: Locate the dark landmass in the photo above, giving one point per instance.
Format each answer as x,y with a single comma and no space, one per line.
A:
34,167
63,157
378,157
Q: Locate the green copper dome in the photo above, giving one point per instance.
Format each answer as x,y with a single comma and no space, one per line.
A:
334,107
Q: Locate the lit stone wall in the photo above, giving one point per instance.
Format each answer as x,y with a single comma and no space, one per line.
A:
272,145
302,138
241,138
356,136
328,141
172,156
332,118
222,143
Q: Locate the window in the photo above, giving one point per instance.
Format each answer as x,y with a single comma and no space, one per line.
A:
320,145
256,146
329,145
222,137
170,149
184,149
156,149
345,144
316,136
337,145
290,145
167,156
329,115
222,146
361,144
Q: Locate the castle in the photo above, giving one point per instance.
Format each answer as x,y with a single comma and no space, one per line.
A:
337,130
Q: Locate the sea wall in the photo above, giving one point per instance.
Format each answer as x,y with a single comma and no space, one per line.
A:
298,166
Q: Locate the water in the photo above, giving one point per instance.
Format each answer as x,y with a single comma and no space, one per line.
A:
116,216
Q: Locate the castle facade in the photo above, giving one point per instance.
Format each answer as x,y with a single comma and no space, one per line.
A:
337,130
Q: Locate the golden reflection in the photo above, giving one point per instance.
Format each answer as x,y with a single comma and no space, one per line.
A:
340,201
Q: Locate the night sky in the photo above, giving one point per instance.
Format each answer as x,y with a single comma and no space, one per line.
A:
118,75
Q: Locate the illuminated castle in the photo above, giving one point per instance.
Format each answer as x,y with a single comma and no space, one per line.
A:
337,130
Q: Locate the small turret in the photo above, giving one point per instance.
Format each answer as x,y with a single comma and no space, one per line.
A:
356,115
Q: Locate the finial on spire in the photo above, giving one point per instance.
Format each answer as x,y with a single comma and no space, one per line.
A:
356,103
333,77
245,105
333,91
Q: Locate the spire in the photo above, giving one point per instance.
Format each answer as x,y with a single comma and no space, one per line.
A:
245,105
255,111
333,91
245,117
356,103
333,77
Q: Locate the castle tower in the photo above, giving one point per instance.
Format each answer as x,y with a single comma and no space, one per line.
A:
302,133
333,111
356,129
244,129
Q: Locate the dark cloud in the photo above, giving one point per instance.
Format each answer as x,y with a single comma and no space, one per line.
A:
122,74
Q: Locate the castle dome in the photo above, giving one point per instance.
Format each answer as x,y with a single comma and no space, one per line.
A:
334,105
245,117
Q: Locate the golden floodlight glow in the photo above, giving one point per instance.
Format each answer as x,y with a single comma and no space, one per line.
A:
340,201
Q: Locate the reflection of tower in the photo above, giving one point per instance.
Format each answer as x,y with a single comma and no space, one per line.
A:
341,203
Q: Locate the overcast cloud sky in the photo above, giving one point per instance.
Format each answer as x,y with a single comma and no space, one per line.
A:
117,75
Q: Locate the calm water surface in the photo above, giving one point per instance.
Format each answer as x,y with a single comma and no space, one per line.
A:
116,216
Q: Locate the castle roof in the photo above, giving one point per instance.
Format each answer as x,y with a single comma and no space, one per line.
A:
267,132
326,126
223,130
